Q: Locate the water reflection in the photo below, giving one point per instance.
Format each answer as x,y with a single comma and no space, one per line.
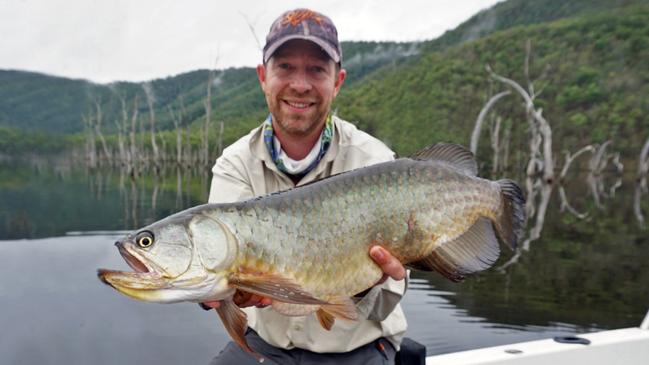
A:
583,272
40,200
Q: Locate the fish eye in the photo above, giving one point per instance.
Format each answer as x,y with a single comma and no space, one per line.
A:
144,239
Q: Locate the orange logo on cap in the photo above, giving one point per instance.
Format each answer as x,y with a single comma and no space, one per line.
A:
298,16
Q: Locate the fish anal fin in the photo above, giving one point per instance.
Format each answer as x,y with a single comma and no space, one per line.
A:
474,250
235,322
452,154
272,286
341,307
326,319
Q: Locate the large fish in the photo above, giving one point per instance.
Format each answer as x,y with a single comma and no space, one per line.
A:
307,248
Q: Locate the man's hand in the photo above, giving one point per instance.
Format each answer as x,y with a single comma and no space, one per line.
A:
389,264
243,299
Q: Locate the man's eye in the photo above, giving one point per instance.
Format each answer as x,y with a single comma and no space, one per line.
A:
284,66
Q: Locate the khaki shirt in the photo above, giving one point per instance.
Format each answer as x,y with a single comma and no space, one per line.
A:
246,170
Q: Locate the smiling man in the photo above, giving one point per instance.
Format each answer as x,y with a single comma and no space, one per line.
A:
300,142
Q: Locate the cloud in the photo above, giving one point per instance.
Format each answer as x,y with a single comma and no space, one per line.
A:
145,39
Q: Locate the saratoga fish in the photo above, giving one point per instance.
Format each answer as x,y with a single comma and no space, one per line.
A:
307,248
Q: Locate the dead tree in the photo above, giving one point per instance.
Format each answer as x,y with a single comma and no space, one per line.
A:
133,148
178,121
122,132
97,125
150,99
643,165
205,147
598,161
91,145
219,140
475,135
252,30
570,158
541,159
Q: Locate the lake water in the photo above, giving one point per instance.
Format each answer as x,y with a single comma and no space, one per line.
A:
58,225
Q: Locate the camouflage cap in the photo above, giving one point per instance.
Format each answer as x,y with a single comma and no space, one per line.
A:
303,24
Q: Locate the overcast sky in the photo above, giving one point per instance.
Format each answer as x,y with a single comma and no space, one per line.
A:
139,40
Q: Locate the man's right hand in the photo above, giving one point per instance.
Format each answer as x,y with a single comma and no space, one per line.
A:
244,299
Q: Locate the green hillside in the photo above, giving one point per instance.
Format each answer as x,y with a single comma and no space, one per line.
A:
596,88
35,102
511,13
408,94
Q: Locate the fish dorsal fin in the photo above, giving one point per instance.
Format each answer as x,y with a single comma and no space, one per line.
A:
453,154
272,286
475,250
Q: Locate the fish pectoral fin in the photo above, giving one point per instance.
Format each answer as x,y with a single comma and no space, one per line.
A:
272,286
475,250
341,307
235,322
326,319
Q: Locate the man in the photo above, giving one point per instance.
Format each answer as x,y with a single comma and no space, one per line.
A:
300,142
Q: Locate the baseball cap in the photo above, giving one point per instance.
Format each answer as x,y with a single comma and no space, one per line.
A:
303,24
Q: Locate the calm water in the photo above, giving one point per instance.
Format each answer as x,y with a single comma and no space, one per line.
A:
582,274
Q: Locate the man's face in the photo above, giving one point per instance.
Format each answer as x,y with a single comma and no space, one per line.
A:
300,81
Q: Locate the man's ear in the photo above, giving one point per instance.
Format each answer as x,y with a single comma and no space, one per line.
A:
340,80
261,76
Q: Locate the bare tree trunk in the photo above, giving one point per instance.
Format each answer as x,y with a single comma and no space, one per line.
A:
598,163
91,149
177,119
107,154
643,165
133,155
566,205
507,138
205,147
219,142
475,135
150,99
541,140
495,145
120,144
252,30
122,128
541,131
570,158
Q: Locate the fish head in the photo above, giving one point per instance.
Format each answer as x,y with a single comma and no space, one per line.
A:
184,257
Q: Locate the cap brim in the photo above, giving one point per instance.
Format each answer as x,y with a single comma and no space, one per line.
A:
333,53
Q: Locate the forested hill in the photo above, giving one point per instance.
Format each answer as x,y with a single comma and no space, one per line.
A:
511,13
410,94
595,87
36,102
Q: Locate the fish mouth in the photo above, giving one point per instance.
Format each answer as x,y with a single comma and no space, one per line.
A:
136,263
146,275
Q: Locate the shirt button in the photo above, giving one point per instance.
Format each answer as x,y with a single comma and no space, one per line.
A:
297,327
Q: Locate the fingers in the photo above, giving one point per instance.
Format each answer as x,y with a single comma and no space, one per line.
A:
244,299
388,263
210,305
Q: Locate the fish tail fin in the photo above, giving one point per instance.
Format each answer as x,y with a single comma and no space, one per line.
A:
509,225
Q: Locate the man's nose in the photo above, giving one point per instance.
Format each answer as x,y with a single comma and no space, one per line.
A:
300,82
